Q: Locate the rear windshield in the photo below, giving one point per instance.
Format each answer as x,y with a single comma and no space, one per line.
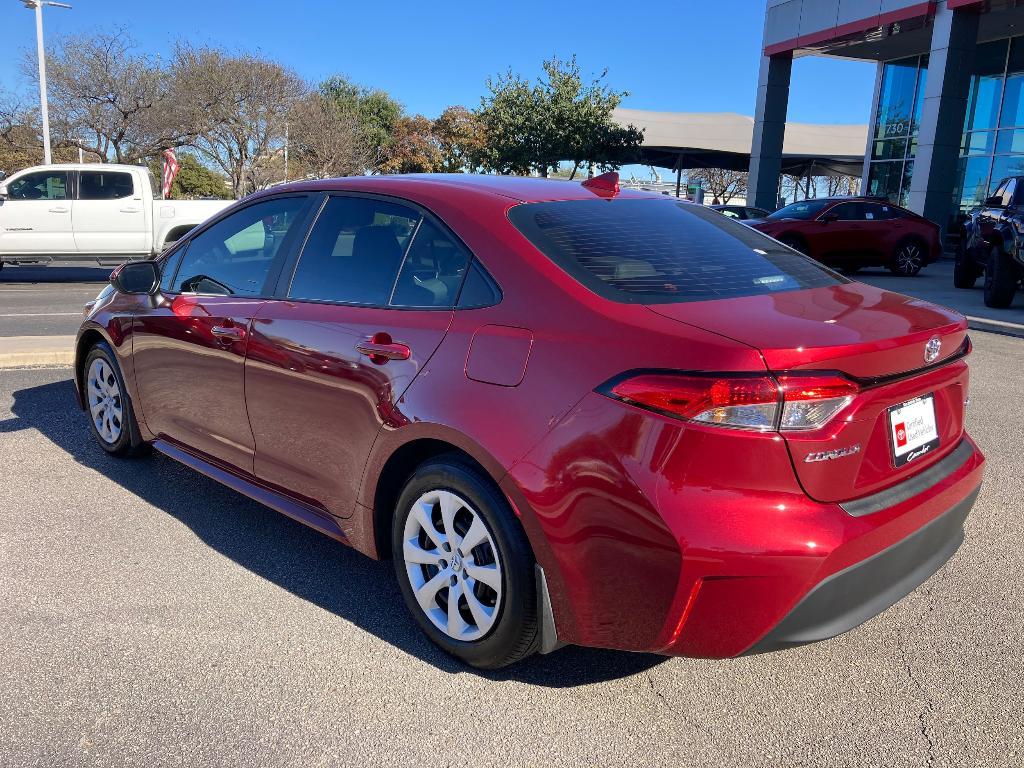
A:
658,252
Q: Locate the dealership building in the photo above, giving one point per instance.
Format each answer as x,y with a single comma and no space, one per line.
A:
947,120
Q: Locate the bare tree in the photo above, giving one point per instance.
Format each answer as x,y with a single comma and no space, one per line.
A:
843,185
723,184
116,103
248,98
327,139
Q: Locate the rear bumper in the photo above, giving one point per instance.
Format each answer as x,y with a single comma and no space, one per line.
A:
850,597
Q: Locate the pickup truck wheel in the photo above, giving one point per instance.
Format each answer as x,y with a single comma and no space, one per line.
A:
907,259
965,271
1001,277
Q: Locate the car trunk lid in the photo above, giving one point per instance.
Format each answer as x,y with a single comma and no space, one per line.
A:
878,339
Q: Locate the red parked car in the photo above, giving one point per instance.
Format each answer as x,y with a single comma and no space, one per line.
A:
855,232
569,414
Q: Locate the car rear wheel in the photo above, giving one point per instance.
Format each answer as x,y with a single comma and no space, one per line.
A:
110,409
1001,277
464,565
965,271
908,259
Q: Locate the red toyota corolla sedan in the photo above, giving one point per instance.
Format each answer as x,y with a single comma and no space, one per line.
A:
569,414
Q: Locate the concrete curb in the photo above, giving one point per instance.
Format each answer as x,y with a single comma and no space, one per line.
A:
995,326
36,351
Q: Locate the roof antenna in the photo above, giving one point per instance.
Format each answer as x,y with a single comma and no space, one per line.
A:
605,184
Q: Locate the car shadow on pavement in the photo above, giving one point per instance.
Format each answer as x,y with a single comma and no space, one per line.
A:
298,559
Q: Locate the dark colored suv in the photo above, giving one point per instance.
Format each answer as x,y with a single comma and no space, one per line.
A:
990,245
855,232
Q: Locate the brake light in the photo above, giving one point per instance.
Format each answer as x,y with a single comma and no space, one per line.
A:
745,402
758,403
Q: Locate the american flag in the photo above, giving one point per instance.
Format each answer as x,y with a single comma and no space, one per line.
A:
170,171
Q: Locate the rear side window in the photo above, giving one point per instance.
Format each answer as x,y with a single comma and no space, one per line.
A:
653,251
433,270
104,185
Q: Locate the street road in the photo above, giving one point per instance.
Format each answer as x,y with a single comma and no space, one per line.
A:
152,617
47,301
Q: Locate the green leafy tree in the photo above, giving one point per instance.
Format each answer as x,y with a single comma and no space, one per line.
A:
375,111
563,116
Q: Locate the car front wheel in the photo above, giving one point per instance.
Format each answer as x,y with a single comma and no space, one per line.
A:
464,565
110,409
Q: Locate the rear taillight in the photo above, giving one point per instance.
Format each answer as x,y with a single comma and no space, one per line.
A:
813,401
759,403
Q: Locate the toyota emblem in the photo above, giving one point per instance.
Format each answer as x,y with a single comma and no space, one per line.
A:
932,349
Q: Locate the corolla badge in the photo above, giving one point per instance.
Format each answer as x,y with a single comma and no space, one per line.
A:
838,453
932,349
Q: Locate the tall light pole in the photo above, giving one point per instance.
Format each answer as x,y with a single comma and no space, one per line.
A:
38,6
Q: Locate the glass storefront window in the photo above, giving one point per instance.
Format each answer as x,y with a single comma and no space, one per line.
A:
974,185
897,100
979,143
901,98
1010,142
1006,165
986,86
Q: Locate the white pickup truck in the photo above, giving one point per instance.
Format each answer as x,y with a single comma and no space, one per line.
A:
102,213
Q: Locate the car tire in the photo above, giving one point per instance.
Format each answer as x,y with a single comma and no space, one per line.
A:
965,271
796,243
457,501
908,258
111,416
1001,277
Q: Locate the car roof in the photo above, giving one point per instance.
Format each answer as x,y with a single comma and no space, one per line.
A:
519,188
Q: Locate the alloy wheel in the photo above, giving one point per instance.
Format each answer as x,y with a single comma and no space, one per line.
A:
908,259
105,405
453,565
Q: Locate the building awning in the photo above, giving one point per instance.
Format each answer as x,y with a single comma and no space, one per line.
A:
723,140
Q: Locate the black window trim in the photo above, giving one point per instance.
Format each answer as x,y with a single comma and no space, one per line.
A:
288,269
284,253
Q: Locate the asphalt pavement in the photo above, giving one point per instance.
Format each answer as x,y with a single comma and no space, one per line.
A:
151,617
47,301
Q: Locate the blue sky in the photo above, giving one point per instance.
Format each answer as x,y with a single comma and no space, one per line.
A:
678,55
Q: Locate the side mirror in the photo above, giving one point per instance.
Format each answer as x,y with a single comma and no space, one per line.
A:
3,189
136,277
828,218
996,201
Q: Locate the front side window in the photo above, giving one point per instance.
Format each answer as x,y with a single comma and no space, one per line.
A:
805,210
43,185
848,212
354,252
234,256
654,251
105,185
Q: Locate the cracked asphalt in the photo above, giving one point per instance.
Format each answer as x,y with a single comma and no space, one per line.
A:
151,617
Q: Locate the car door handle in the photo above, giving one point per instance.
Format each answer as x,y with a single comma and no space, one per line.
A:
58,210
130,210
228,333
380,348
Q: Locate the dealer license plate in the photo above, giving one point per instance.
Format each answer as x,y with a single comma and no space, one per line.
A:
912,429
